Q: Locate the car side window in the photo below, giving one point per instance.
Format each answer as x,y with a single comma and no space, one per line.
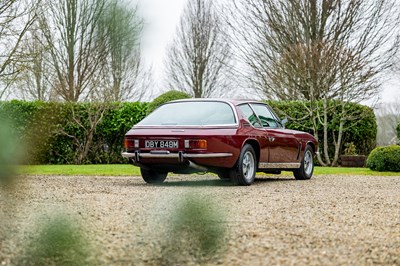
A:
250,115
265,115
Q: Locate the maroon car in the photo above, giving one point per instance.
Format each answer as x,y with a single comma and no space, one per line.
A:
232,138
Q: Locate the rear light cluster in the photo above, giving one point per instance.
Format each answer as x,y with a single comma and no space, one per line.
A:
131,143
196,144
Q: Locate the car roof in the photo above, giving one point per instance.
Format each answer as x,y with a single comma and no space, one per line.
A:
231,101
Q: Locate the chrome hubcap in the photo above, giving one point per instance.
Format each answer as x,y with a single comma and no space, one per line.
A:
248,165
308,163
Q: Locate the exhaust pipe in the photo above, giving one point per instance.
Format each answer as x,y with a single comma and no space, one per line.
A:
197,167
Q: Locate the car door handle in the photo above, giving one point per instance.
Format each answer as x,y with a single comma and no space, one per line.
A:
271,139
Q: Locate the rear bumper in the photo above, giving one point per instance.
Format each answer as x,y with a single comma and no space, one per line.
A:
179,156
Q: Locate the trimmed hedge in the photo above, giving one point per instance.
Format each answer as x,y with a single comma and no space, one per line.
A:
361,132
166,97
385,159
49,132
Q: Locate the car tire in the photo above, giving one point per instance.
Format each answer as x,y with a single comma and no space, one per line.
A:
307,165
244,172
153,177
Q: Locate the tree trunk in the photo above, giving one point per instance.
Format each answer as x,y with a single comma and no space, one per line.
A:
325,125
338,143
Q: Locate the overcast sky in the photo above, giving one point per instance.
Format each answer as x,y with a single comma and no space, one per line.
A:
162,17
161,20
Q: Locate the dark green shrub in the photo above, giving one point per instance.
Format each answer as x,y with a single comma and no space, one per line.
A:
398,132
166,97
385,159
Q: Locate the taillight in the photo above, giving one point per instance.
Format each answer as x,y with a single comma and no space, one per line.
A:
129,143
126,143
196,144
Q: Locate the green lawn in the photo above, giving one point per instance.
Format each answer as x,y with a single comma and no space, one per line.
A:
99,169
350,171
129,170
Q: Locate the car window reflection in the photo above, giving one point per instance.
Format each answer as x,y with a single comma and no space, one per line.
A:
250,115
266,117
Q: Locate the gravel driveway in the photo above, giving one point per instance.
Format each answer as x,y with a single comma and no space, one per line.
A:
328,220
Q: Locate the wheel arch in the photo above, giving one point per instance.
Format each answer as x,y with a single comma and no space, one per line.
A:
311,144
256,146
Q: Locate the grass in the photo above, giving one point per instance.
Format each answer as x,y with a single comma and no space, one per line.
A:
350,171
129,170
95,170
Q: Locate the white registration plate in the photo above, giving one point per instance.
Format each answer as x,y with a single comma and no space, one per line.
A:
161,144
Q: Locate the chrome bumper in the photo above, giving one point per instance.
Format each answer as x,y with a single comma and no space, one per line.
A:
179,156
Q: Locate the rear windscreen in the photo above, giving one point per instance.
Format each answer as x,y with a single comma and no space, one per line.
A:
191,114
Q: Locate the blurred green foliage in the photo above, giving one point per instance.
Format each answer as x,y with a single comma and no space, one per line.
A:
166,97
398,133
9,151
197,232
385,159
59,242
360,129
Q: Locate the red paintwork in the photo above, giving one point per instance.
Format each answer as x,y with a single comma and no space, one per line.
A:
226,139
218,140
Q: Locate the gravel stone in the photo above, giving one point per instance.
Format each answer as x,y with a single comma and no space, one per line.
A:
328,220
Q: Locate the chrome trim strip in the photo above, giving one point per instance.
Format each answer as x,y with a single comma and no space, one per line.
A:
279,165
186,126
155,155
176,155
208,155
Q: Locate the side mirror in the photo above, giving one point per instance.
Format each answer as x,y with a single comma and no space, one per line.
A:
284,121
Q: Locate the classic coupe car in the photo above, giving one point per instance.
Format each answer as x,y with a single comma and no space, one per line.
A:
232,138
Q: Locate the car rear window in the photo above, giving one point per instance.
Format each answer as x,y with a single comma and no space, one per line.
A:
191,114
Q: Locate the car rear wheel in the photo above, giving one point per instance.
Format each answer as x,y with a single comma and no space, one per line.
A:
307,165
245,170
151,176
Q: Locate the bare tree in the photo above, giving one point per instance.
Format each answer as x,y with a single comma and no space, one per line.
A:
69,28
85,116
35,79
90,49
120,29
198,57
327,52
16,17
78,62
